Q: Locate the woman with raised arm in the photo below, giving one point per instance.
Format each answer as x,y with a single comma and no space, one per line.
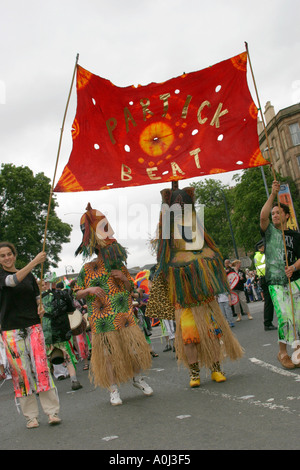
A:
22,334
283,275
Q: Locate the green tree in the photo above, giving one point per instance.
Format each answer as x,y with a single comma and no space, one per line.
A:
214,195
24,200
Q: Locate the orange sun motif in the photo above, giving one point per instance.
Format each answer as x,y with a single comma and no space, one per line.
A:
69,182
75,129
214,171
253,111
240,61
156,139
83,77
257,159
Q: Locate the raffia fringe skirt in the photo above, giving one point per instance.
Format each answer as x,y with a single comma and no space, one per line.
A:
216,341
117,356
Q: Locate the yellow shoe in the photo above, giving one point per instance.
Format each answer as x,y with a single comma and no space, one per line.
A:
218,377
195,383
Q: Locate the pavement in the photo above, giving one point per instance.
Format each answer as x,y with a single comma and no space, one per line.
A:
257,408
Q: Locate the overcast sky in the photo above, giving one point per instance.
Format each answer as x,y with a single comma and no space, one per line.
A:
128,42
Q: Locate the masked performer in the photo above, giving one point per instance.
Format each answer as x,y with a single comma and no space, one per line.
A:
188,276
120,351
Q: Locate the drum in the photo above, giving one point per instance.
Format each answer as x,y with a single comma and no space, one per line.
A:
77,323
233,279
234,298
57,356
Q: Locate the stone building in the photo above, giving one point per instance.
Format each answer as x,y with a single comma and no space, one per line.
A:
283,130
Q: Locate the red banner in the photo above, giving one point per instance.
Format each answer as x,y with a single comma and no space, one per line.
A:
200,123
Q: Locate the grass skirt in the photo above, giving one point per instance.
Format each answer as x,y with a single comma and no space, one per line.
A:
217,342
117,356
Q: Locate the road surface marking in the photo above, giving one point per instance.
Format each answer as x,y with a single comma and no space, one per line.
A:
272,368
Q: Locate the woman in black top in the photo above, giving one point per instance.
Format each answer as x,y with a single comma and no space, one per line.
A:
22,334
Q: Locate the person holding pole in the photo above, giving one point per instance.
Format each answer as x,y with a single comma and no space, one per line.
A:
21,312
282,274
188,277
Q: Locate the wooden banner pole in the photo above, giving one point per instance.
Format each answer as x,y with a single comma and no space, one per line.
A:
274,176
56,164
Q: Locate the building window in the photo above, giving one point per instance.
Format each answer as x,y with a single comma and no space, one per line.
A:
298,160
295,133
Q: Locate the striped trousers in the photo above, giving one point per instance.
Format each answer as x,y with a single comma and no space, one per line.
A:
26,355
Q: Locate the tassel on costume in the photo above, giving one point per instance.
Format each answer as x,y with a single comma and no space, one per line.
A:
196,282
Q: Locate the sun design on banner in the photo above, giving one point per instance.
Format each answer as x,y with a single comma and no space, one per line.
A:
257,159
253,111
75,129
240,61
83,77
156,139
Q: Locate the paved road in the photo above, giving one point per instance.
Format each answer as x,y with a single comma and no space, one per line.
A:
258,407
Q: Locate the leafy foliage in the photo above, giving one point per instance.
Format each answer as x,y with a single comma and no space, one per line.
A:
24,200
211,193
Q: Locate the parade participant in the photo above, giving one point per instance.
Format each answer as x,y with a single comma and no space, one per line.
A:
168,329
282,276
260,266
140,303
239,290
58,306
189,274
82,341
227,266
22,334
120,351
224,301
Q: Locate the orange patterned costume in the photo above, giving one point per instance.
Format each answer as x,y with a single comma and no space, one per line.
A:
119,349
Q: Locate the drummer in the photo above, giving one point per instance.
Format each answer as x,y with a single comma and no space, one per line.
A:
58,305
